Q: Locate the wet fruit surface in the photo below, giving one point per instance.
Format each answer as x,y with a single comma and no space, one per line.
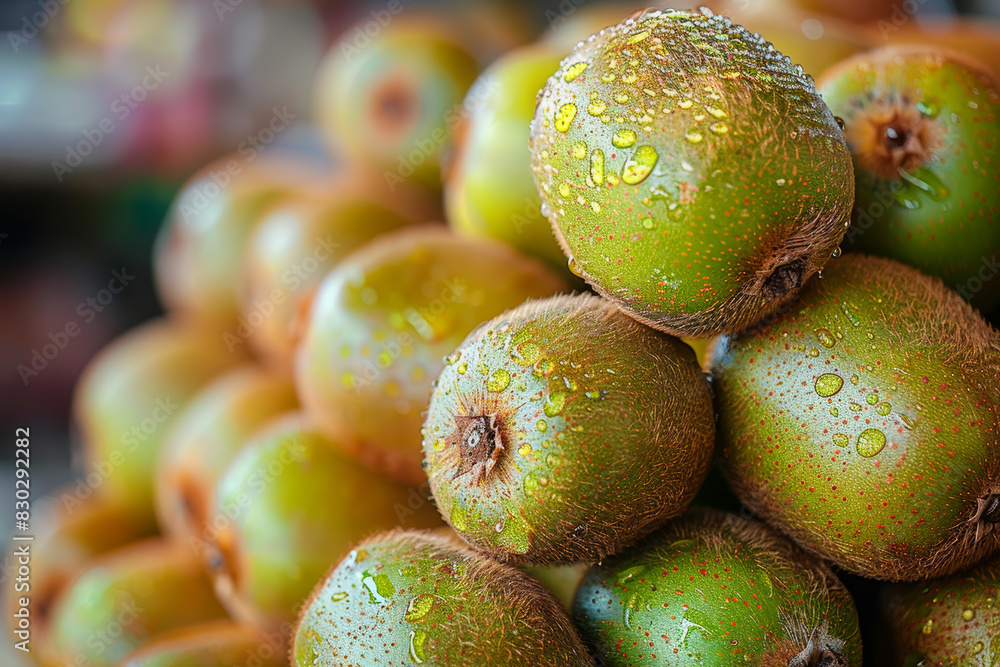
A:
129,597
864,422
922,126
288,507
563,430
692,173
713,589
949,621
411,597
381,324
207,437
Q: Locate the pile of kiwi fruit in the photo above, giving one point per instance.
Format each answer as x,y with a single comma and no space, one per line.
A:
696,371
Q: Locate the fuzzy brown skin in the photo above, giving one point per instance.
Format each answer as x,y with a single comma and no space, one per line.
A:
694,176
563,430
712,588
441,603
953,620
864,422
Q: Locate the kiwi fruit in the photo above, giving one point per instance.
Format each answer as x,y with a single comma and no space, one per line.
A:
422,597
864,422
563,430
691,173
218,644
712,588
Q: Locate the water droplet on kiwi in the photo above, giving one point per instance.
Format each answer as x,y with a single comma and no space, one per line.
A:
851,316
872,398
719,128
813,352
928,626
565,116
855,407
639,166
883,408
834,411
836,252
564,189
419,607
928,108
968,614
462,367
829,384
555,404
530,484
499,381
597,167
579,149
439,444
542,425
871,442
978,647
524,449
338,596
623,138
840,439
378,585
418,638
500,525
574,70
825,338
596,107
694,137
574,268
648,223
854,379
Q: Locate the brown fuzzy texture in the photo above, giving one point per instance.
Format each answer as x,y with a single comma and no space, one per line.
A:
489,581
968,343
638,458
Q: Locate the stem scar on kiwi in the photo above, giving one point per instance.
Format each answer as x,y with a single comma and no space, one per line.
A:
890,137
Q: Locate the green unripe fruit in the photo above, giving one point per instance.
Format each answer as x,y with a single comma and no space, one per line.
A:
393,103
489,191
129,396
208,435
713,589
221,644
923,126
66,537
950,621
129,597
413,597
693,174
380,325
564,430
863,423
288,506
299,240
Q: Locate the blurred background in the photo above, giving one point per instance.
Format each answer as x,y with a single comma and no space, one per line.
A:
108,106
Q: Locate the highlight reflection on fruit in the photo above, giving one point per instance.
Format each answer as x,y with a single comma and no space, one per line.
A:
382,322
208,435
862,423
288,507
692,174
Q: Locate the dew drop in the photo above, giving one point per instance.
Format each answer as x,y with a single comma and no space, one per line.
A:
499,381
439,444
565,116
639,166
621,97
829,384
338,596
836,252
542,425
694,137
719,128
834,411
596,107
526,353
597,167
555,404
854,379
826,339
579,149
978,647
574,70
968,614
928,626
813,352
564,189
648,223
871,442
530,484
458,517
855,407
462,367
883,409
840,439
623,138
524,449
871,399
500,525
